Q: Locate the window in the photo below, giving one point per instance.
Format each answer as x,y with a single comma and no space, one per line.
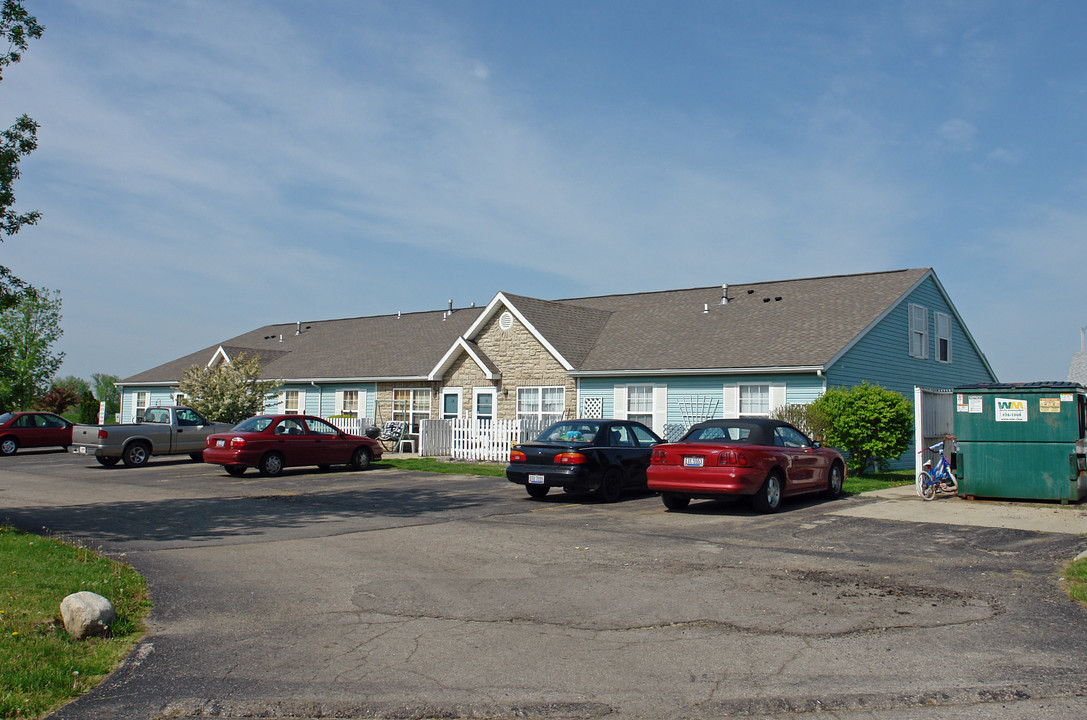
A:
484,403
943,337
142,397
451,400
640,404
290,427
644,438
290,403
621,436
189,418
755,400
545,403
787,437
320,427
350,402
180,399
918,331
411,405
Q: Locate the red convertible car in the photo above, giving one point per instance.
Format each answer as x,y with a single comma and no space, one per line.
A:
272,442
33,429
767,460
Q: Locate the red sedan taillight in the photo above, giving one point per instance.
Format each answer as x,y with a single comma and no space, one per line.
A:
571,458
657,457
517,456
733,458
237,442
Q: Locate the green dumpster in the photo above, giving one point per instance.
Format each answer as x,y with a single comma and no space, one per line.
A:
1022,440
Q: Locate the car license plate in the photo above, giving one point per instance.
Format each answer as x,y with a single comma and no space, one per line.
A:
535,479
220,443
692,462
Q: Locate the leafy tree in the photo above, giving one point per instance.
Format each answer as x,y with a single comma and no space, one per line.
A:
808,418
871,423
227,392
106,391
88,409
58,398
28,362
18,141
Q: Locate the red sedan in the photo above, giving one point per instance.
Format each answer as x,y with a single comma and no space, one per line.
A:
272,442
33,429
767,460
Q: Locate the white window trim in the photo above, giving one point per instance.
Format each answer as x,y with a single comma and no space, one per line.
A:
943,319
283,401
456,391
659,410
493,392
136,407
360,396
918,323
539,390
412,413
731,399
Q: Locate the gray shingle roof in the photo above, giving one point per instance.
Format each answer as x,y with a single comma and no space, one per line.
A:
1077,372
791,323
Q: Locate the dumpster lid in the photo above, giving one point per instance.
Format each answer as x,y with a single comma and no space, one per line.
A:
1050,385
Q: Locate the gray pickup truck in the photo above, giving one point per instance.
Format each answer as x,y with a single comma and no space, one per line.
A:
165,430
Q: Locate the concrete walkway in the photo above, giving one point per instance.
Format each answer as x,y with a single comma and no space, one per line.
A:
902,503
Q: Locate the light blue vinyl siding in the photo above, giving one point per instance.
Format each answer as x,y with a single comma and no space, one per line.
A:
799,388
156,396
320,401
882,356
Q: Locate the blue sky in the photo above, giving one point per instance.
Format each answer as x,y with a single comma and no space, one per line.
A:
208,167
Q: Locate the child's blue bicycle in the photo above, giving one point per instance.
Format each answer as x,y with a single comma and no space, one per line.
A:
939,480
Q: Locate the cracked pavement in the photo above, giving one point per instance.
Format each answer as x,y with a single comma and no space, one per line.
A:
389,594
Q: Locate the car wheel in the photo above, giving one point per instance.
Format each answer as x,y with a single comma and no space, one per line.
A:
271,464
360,460
834,482
196,457
235,470
8,446
768,498
107,461
136,454
537,491
611,487
675,502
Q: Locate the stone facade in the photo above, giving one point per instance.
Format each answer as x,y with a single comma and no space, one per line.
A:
518,356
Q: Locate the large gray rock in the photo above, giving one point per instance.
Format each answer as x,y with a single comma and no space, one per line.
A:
86,613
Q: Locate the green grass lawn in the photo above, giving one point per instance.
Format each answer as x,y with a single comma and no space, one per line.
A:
42,666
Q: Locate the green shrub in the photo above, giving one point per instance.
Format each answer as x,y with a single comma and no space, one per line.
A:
870,423
808,418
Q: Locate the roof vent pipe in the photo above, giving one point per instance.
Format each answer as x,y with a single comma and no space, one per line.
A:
724,294
298,328
450,306
705,308
1081,345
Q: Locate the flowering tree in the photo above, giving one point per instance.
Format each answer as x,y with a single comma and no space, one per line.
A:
228,391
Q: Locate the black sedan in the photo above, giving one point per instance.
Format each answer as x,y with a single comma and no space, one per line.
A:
605,456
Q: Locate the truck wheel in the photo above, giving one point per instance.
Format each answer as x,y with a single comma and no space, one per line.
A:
271,464
107,461
136,454
8,446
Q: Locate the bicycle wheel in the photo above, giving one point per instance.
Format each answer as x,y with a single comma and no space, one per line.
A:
928,488
952,483
922,478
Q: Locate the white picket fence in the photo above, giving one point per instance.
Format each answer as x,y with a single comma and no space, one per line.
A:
352,425
470,439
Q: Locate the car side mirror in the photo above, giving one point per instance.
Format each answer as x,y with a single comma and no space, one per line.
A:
816,444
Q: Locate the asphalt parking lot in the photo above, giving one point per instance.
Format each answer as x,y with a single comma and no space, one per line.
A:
409,595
